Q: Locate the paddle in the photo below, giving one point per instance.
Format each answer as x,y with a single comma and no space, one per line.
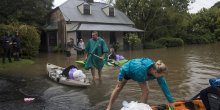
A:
114,63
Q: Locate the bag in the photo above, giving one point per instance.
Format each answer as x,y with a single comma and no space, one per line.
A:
135,106
79,75
211,98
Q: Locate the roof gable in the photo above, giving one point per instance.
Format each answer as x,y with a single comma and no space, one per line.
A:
71,12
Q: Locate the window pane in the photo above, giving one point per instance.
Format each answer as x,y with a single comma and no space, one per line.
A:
86,9
111,11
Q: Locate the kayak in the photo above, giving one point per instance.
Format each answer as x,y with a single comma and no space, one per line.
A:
81,63
119,63
55,73
196,104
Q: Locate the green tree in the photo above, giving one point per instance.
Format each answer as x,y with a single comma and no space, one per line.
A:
31,12
133,40
158,18
30,38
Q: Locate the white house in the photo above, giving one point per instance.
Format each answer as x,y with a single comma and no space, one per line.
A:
78,18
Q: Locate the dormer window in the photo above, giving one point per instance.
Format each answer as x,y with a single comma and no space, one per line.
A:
109,11
85,8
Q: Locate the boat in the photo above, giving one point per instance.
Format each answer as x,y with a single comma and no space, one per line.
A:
119,63
54,72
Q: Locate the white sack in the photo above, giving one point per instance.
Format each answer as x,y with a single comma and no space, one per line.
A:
79,75
135,106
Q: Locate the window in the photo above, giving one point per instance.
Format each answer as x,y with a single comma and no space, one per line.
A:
52,38
86,9
111,11
112,37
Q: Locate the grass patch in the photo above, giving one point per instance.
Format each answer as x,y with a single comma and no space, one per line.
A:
15,64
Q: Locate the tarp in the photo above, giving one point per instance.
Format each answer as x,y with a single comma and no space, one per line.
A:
108,27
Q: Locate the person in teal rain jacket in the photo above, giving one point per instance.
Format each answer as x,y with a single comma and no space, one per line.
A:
95,54
142,70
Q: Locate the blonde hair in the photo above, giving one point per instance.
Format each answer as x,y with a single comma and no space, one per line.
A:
160,67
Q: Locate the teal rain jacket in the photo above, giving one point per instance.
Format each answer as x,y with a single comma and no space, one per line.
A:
136,69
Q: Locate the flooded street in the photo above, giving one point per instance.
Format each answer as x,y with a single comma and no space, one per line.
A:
190,67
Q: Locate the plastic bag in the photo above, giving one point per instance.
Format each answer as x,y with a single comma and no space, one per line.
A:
58,71
135,106
29,99
119,57
79,75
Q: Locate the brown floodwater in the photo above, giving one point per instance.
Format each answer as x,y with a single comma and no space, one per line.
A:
190,67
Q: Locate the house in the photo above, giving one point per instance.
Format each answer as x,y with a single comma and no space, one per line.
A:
78,18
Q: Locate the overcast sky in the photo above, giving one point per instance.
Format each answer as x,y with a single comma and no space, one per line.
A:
193,8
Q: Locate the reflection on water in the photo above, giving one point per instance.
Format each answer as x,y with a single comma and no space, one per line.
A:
190,67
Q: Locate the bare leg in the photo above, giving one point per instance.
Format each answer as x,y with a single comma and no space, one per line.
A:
93,73
119,86
100,73
145,91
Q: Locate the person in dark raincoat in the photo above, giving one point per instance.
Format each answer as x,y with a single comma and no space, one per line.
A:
6,42
142,70
16,42
95,54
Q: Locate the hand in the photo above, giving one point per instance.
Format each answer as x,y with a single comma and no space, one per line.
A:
85,58
171,105
102,57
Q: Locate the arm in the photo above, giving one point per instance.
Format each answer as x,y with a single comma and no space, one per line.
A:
87,49
119,86
85,56
104,50
163,85
121,75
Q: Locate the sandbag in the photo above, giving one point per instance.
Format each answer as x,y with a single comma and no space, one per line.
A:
133,105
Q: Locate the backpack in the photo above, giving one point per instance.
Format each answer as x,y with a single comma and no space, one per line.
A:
211,97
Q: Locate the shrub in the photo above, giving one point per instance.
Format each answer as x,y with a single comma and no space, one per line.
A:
217,34
196,40
133,40
57,49
30,38
151,45
170,42
115,45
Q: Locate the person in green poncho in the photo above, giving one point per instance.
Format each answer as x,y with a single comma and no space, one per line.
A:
95,54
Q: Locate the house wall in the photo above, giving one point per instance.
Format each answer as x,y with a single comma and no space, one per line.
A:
57,18
86,35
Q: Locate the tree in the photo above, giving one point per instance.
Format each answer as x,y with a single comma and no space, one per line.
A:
32,12
158,18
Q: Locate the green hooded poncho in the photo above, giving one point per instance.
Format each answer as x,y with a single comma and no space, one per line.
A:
95,48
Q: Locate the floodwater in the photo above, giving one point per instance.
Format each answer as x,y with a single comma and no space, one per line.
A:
190,67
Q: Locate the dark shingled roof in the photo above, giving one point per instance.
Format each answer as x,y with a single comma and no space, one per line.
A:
71,12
